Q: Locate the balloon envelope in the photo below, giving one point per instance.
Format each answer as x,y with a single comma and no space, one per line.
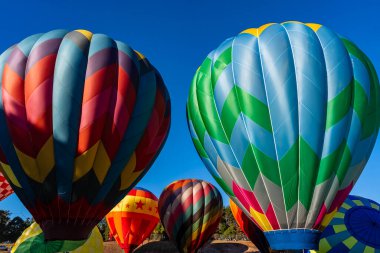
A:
250,229
285,118
190,211
354,228
134,218
82,118
5,188
32,241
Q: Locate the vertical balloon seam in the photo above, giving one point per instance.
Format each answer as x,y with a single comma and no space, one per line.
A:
163,127
204,118
299,125
256,34
196,137
35,47
90,60
324,132
129,135
329,180
9,149
263,75
194,86
320,146
240,107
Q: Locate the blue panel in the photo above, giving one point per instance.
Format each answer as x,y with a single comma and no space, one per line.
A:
247,66
281,86
69,78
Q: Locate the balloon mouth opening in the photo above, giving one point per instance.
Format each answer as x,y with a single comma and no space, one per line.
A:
293,239
363,223
54,231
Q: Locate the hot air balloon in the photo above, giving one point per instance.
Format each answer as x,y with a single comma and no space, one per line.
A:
82,118
250,229
285,118
5,188
190,211
32,241
354,228
134,218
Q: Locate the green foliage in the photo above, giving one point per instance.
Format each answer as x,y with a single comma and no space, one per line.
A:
11,229
104,229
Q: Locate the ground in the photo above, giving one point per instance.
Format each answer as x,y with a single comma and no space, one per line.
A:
168,247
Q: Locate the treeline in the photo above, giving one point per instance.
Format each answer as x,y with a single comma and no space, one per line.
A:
227,230
11,229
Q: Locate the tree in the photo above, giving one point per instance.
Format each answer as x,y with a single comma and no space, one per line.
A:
14,229
104,229
4,220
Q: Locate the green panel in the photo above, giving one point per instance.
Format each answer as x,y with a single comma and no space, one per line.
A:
207,108
330,163
344,164
254,109
250,167
230,113
338,107
219,65
268,166
309,163
360,102
289,176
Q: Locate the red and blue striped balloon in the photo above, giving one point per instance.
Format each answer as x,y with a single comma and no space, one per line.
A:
190,211
82,118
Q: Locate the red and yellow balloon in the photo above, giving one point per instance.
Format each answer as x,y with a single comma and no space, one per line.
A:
133,219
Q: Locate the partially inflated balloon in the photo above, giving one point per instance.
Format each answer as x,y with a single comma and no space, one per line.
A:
250,229
285,118
190,211
32,241
5,188
354,228
82,118
133,219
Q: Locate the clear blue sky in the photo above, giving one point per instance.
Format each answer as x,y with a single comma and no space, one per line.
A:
176,36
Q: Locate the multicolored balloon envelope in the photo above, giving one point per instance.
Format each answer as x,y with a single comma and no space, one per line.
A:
32,240
190,211
5,188
285,118
250,229
82,118
354,228
134,218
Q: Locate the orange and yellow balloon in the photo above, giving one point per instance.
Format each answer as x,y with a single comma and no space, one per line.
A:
133,219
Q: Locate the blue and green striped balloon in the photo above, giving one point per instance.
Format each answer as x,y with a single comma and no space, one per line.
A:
285,117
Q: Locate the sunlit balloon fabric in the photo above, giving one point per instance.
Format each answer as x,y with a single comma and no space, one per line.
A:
190,211
5,188
250,229
134,218
285,118
32,241
82,118
355,228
